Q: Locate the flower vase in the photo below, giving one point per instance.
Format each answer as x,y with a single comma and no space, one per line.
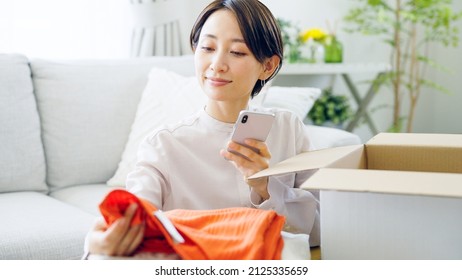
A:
314,52
333,50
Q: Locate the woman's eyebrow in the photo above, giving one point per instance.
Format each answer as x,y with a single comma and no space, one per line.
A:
237,40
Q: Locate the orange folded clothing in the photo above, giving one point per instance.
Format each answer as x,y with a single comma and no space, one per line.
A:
231,233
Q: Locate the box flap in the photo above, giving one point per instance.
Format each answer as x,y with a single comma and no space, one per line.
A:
378,181
417,140
312,160
415,152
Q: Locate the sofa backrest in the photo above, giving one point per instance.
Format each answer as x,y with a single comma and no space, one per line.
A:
87,109
22,160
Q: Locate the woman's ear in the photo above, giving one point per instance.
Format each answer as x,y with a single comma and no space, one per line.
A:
269,66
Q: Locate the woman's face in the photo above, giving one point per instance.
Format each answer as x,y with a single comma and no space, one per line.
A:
226,68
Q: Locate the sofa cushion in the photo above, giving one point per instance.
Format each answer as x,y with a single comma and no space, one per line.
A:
87,109
327,137
22,161
84,197
167,98
36,226
299,100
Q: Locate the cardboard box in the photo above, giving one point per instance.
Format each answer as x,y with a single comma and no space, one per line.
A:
399,196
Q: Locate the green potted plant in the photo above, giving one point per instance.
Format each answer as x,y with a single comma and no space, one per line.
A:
292,41
408,27
330,110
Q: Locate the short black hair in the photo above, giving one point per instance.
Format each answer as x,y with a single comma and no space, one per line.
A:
258,26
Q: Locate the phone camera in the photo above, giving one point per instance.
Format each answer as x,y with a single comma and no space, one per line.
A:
244,119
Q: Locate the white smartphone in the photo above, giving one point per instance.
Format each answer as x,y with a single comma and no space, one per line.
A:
252,125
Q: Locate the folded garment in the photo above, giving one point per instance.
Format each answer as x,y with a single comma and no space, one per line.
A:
237,233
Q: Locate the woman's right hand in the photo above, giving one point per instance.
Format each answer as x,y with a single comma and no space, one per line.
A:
119,239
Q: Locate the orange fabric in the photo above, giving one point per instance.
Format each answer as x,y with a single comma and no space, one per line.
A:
231,233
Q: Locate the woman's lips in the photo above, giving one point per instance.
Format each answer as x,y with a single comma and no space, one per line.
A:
217,81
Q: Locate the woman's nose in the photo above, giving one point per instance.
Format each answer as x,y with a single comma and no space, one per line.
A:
219,63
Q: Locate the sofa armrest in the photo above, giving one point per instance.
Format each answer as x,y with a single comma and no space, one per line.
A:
328,137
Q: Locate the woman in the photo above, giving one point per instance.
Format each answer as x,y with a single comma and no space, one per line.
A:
237,48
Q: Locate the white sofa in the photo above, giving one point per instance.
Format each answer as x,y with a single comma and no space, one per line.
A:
63,128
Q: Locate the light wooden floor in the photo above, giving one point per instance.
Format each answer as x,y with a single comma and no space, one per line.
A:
315,253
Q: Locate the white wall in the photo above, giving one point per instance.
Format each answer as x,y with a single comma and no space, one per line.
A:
439,112
65,28
102,28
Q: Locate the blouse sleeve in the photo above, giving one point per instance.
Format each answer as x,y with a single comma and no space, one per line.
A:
147,179
300,207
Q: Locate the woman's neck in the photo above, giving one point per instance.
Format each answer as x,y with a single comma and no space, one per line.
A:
225,111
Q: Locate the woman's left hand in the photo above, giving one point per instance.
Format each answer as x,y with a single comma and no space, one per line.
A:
250,161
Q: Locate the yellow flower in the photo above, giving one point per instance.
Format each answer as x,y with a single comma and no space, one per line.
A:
317,34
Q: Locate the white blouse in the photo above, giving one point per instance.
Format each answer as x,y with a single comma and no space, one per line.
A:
180,166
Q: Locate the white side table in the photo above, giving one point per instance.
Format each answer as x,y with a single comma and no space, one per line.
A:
345,70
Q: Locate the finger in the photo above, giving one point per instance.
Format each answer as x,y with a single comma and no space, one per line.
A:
235,158
260,146
96,237
100,224
128,240
243,151
225,154
117,231
122,225
137,240
131,211
131,231
245,166
108,241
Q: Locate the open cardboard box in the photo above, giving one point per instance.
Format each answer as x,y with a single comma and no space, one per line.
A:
399,196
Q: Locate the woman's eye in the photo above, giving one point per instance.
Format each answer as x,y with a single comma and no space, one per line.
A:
236,53
207,49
